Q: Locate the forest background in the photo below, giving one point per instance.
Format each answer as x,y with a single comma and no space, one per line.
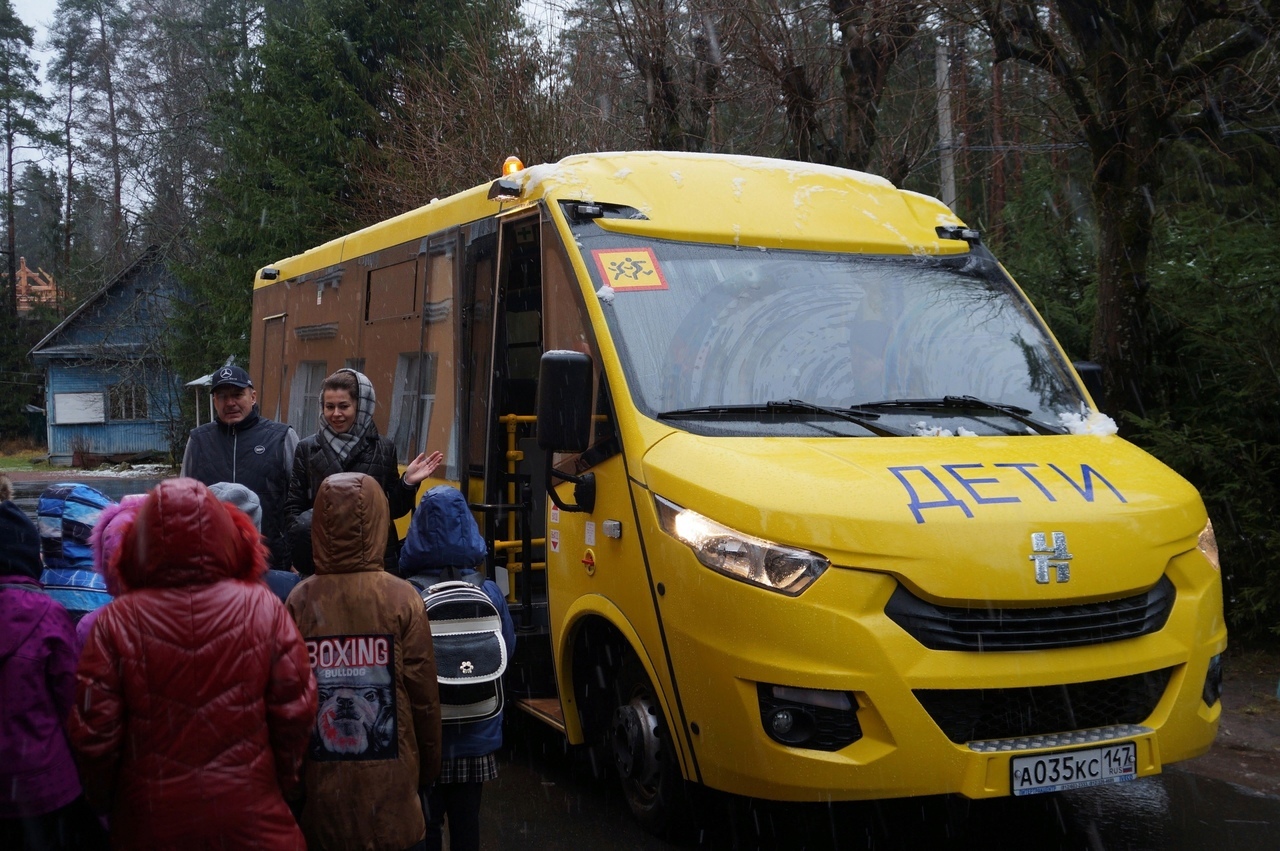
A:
1121,158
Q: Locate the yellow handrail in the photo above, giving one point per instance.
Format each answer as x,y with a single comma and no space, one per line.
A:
513,544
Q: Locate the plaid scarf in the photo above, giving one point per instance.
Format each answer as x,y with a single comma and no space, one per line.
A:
344,444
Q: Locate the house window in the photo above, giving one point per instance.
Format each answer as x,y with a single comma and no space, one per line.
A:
76,408
415,394
128,401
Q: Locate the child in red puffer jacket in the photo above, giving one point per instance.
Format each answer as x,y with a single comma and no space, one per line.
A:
194,695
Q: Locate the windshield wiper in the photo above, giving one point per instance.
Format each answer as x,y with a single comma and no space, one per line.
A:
862,418
971,403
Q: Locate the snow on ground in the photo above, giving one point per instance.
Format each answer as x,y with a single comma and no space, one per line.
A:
131,471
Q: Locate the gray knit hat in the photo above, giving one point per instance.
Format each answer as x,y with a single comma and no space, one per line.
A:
241,497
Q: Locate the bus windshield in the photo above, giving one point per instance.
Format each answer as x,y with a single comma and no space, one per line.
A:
730,341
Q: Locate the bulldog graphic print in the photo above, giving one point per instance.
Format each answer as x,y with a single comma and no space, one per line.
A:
356,719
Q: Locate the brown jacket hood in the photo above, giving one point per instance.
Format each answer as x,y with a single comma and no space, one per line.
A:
349,527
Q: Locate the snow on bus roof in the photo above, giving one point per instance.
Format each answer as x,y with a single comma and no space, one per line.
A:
567,172
588,177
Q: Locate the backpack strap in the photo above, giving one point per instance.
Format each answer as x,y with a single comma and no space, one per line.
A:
452,583
450,577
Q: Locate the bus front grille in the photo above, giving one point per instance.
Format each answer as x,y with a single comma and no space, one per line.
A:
965,715
996,629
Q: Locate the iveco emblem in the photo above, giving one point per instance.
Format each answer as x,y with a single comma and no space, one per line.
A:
259,449
1050,558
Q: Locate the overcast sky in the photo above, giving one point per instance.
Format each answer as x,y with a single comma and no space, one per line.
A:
35,14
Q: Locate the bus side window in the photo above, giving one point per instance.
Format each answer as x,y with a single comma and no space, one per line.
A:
304,398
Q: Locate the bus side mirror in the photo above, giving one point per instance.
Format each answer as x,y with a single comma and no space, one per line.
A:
1091,374
565,380
564,401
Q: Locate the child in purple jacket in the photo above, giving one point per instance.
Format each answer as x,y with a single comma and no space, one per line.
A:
41,804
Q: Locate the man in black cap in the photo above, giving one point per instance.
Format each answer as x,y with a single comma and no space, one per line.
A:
244,447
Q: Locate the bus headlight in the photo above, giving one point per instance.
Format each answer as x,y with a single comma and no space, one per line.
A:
1208,544
737,555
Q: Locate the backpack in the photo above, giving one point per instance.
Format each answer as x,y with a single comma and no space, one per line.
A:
471,657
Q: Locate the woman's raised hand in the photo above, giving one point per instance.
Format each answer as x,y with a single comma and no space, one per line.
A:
422,467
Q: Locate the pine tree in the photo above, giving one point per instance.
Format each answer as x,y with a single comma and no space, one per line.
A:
20,107
314,104
90,36
38,217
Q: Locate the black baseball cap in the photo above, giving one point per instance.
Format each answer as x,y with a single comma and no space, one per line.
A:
233,376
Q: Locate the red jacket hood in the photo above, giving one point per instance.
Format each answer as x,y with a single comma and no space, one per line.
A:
183,535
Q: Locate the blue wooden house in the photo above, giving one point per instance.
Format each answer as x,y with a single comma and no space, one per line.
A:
110,393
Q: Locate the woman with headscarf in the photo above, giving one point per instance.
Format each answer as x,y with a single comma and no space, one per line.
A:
348,442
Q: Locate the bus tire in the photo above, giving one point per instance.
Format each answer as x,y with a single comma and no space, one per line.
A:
644,755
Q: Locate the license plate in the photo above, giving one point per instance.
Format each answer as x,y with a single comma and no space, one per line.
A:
1055,772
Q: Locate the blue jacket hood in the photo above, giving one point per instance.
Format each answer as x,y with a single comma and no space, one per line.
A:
66,514
442,534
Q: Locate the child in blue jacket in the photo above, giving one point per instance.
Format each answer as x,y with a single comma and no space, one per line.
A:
445,543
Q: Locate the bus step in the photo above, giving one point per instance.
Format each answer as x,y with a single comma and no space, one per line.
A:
545,709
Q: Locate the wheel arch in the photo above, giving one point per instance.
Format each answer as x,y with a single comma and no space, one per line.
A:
598,633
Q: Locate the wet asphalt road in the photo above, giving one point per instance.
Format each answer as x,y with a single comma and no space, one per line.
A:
546,799
26,492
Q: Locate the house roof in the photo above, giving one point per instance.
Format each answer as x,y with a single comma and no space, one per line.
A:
45,347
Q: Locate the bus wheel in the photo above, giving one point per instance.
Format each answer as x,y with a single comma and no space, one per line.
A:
645,756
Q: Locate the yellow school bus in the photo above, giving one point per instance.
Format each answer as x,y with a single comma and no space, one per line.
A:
793,493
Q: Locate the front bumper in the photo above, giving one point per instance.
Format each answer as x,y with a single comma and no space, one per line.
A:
836,637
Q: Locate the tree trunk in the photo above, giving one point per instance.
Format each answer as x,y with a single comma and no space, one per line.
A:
1125,223
802,114
872,34
66,225
10,242
995,200
859,75
117,171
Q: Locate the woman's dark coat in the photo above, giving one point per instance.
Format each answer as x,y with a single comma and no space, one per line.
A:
314,461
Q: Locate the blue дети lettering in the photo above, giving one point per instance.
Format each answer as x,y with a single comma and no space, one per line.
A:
927,489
